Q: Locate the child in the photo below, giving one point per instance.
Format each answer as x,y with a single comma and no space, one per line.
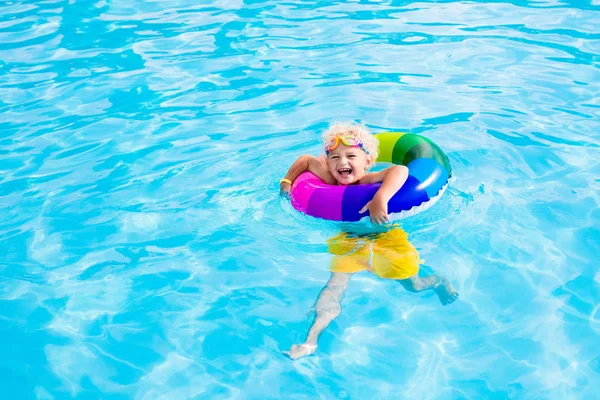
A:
350,151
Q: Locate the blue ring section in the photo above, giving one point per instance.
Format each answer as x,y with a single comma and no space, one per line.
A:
355,198
431,174
410,195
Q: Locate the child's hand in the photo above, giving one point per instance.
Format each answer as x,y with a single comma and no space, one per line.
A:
377,209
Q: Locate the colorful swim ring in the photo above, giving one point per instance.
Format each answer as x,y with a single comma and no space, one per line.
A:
428,167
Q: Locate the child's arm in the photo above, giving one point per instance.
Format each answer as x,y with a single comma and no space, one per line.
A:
328,307
391,179
307,163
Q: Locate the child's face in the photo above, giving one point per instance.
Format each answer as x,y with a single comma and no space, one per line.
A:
348,164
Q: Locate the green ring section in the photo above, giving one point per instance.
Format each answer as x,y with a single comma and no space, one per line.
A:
410,147
387,143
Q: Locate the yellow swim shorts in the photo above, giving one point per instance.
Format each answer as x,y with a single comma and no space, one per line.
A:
388,254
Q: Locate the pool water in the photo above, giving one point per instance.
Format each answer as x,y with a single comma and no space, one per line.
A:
146,254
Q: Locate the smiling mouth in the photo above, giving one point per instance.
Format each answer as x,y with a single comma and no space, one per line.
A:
345,171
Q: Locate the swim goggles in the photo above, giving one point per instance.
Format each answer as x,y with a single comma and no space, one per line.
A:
349,141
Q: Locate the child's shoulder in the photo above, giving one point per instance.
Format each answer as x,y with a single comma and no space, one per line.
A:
372,177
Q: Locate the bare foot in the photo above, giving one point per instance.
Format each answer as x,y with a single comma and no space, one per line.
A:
442,286
446,292
300,350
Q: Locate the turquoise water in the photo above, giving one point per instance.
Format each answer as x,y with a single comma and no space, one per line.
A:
145,252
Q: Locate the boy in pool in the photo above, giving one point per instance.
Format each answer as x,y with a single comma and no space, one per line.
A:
350,151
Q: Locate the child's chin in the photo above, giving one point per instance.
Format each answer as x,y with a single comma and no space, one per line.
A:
346,180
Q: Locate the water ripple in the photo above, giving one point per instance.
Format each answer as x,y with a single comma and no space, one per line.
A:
146,253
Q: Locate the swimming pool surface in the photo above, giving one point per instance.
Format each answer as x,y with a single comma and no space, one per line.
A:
145,252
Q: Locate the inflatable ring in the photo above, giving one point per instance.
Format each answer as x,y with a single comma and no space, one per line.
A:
428,174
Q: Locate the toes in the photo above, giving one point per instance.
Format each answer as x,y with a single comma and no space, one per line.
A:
449,299
300,350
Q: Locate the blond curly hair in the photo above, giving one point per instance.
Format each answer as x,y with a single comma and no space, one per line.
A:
358,131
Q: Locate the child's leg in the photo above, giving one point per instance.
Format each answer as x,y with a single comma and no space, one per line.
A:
394,257
350,255
328,307
442,286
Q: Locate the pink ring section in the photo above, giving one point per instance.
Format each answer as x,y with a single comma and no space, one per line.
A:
303,187
313,197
